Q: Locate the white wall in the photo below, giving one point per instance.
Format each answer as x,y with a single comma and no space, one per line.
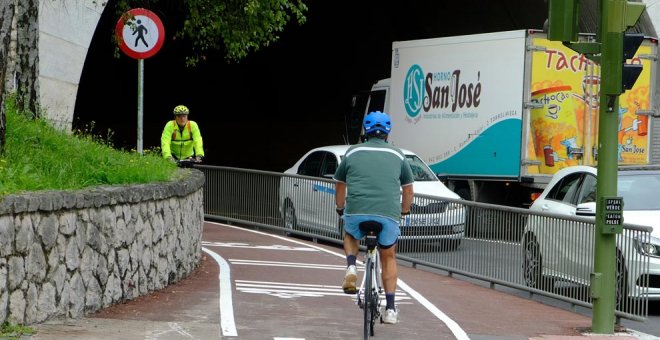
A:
653,10
66,30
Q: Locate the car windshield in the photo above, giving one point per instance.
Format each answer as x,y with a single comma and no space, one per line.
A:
639,191
420,170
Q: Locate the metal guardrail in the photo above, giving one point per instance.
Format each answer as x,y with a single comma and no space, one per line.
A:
541,253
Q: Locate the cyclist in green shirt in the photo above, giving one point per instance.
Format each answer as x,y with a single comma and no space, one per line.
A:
374,183
181,138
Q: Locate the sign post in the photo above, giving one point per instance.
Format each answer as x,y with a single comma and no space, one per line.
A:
612,49
140,34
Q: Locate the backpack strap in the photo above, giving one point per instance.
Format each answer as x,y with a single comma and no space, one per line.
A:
174,130
176,127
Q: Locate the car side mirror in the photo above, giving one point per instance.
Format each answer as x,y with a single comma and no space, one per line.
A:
586,209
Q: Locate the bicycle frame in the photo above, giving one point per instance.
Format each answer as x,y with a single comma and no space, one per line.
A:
378,283
371,287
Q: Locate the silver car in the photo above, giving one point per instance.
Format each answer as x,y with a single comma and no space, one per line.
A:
307,200
552,252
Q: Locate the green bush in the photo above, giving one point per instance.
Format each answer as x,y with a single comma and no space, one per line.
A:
10,331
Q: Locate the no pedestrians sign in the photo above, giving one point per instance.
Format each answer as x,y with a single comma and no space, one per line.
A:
140,33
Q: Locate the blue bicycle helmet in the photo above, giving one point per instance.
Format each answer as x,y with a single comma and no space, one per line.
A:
377,121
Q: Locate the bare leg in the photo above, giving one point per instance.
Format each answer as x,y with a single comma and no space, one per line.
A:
351,245
388,260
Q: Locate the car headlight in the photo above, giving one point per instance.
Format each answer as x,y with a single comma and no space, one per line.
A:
649,248
454,206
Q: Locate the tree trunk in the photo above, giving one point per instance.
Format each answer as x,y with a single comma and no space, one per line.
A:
27,68
6,17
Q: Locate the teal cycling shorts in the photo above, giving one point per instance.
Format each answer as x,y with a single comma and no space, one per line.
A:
387,236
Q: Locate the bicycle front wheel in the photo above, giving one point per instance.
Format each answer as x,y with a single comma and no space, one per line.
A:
368,302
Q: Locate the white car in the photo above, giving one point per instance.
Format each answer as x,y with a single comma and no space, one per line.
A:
552,252
309,203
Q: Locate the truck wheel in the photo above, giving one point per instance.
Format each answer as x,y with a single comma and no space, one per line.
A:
464,193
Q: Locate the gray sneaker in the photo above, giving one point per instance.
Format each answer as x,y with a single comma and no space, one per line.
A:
391,316
350,280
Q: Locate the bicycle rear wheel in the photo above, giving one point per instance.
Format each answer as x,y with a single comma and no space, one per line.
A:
368,300
375,303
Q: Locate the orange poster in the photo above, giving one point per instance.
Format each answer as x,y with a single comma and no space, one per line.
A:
564,121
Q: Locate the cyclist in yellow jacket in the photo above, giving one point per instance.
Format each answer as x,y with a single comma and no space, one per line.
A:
181,137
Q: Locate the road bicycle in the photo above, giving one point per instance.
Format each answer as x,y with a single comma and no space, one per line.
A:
187,162
368,298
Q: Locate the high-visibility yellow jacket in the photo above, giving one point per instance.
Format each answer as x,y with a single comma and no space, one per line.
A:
181,142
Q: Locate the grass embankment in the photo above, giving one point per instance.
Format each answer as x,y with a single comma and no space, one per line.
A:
38,157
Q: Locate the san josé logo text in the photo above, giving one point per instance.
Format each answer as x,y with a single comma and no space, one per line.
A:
424,92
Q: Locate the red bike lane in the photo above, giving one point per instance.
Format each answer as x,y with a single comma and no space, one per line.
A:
259,285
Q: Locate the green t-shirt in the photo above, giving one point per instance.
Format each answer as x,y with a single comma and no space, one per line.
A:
374,172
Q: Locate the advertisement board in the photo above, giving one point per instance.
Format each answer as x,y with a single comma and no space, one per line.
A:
457,102
563,131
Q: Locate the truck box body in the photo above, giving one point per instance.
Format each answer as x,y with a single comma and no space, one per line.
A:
509,106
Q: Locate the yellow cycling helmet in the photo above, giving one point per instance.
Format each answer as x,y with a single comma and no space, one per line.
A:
181,110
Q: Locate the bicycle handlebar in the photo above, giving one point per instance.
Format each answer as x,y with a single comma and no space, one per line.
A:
187,162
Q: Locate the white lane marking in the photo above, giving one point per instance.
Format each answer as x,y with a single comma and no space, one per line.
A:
289,294
459,333
227,323
249,283
177,328
173,327
246,245
286,264
288,290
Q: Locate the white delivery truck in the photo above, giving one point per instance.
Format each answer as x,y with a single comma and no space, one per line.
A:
498,113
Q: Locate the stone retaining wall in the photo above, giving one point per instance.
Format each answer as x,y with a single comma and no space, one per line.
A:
64,254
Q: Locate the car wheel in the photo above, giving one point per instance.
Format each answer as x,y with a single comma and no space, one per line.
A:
408,246
533,265
453,245
448,245
481,223
404,246
621,282
290,221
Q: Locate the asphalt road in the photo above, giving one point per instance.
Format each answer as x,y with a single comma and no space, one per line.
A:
257,285
478,249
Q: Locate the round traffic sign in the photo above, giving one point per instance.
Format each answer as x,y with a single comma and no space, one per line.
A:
140,33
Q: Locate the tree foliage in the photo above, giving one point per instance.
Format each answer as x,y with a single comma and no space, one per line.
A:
235,26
